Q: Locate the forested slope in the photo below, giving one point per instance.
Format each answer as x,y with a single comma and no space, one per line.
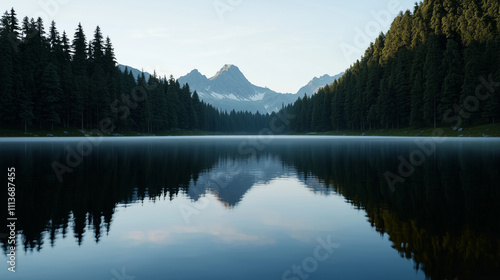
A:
438,65
46,80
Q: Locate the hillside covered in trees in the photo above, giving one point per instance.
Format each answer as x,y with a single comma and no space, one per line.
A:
49,80
438,65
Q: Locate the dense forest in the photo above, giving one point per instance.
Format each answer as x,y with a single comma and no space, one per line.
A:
437,65
47,80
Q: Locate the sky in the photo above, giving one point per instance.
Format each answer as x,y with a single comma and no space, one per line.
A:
277,44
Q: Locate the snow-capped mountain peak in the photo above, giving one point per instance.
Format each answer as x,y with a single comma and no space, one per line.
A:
230,73
227,69
229,89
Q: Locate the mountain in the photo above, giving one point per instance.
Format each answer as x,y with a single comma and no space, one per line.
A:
229,89
315,84
135,72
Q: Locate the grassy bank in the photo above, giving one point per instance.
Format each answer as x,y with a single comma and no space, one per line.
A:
489,130
71,132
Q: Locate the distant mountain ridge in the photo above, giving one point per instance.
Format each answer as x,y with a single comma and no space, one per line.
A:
229,89
135,72
316,83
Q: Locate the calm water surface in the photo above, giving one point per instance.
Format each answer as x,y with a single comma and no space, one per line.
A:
253,208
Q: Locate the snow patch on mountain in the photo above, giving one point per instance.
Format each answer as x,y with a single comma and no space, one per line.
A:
229,89
233,97
258,97
217,96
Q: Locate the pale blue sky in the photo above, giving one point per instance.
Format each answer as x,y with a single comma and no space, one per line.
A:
279,44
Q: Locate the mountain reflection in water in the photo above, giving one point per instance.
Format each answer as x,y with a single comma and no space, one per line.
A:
445,216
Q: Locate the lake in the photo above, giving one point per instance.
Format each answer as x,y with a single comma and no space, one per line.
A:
252,208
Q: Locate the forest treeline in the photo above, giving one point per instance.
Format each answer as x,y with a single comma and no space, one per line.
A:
438,65
49,80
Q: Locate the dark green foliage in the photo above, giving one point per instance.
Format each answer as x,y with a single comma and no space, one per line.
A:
50,95
401,85
417,89
7,59
433,74
492,92
474,67
453,63
46,78
386,101
99,96
424,72
172,103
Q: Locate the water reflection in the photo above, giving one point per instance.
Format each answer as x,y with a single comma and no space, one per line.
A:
444,216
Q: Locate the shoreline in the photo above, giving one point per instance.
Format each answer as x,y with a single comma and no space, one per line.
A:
479,131
488,130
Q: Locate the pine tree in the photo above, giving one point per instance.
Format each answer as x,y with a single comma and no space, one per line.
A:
79,52
7,90
474,67
144,111
402,87
359,114
453,65
50,95
326,110
349,101
372,90
54,39
79,94
112,73
433,79
99,96
27,71
386,99
417,87
317,110
97,47
491,93
438,12
184,107
417,101
419,28
154,96
407,76
40,51
305,113
172,104
109,58
198,122
337,107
